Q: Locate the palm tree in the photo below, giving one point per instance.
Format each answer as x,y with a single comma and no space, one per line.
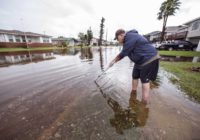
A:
167,8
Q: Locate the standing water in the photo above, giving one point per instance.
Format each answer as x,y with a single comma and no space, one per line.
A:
52,95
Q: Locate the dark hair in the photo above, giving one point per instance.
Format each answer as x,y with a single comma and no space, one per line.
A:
119,32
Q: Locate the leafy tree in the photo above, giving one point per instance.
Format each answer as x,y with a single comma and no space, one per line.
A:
65,44
167,8
82,38
85,39
101,31
89,36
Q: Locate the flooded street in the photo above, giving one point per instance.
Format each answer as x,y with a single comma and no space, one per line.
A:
53,96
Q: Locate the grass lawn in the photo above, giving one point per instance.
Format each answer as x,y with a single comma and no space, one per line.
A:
180,53
189,81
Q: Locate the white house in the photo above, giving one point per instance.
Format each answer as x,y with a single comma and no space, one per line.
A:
153,36
94,41
193,34
188,31
9,38
181,32
69,41
170,32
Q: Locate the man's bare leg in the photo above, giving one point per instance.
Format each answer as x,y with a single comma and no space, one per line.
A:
134,84
145,92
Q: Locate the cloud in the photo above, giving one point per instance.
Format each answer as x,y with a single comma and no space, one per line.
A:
69,17
84,5
185,10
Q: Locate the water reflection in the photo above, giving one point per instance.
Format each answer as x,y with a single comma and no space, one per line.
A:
134,116
157,82
25,57
106,59
8,58
67,51
101,58
86,53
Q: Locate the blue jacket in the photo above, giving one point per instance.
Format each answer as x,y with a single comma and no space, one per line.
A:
137,48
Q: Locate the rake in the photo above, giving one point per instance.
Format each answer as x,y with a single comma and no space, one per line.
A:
98,77
102,73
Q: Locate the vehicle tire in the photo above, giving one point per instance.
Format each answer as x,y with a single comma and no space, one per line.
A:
170,49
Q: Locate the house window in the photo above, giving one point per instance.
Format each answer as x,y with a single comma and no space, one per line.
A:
10,38
195,25
46,40
29,40
17,38
23,39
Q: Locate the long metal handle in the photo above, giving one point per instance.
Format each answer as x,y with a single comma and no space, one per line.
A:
103,72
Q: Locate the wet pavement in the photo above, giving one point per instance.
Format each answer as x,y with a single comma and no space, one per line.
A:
56,98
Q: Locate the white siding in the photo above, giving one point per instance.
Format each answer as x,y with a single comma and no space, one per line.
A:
153,37
35,39
45,39
50,41
194,29
10,38
71,43
41,40
193,34
18,38
3,38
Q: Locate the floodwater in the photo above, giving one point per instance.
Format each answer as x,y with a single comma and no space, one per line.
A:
53,96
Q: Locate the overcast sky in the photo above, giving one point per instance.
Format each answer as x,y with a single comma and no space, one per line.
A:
69,17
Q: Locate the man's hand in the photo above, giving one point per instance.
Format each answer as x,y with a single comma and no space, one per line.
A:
117,58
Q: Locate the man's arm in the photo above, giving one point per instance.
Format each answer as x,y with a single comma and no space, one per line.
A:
129,44
116,59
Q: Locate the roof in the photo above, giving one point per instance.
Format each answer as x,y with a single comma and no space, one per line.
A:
193,20
171,28
153,33
17,32
181,27
64,39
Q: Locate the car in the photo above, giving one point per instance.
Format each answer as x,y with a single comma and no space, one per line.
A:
177,45
157,45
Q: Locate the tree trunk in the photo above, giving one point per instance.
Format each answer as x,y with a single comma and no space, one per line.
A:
163,28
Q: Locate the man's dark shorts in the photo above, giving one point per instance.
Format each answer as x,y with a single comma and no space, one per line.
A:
147,72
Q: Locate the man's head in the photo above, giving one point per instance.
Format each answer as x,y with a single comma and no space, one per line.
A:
119,35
